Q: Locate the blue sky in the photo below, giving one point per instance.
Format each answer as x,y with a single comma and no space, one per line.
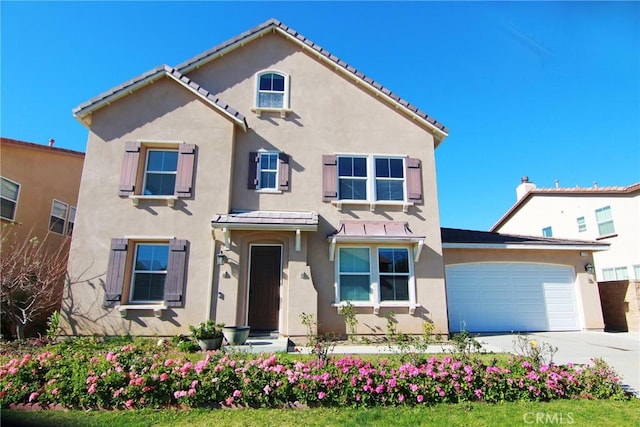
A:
550,90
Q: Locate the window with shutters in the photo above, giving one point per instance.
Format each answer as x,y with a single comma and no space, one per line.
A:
157,170
145,271
268,171
373,179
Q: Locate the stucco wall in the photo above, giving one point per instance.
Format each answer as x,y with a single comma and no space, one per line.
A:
586,288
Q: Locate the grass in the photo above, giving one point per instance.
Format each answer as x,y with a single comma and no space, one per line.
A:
574,412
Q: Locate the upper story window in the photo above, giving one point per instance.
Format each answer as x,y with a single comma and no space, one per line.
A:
636,271
160,172
150,272
272,90
72,220
547,232
9,191
375,179
582,226
617,273
58,216
157,170
268,171
605,221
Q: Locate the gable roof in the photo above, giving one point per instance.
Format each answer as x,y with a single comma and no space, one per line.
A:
566,191
455,238
273,25
83,111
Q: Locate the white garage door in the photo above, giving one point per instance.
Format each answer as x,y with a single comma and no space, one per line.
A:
498,297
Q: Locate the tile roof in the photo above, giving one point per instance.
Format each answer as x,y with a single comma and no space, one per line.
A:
26,144
374,229
457,236
292,218
150,76
566,191
275,25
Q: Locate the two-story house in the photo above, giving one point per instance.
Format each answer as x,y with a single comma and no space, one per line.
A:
265,179
38,197
606,214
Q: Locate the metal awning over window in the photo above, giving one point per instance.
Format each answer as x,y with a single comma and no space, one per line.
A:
266,220
375,232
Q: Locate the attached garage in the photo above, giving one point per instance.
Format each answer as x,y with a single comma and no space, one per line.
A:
504,297
502,283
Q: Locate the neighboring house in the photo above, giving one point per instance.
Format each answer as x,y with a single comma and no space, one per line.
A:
262,180
40,187
606,214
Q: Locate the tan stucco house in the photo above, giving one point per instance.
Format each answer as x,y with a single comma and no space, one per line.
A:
264,179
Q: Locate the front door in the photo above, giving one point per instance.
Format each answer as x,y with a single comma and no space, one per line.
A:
264,287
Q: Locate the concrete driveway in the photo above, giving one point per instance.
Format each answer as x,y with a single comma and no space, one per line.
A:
620,350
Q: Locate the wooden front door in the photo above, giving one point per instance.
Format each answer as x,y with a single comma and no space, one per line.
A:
265,271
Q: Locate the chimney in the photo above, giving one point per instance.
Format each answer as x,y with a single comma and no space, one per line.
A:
524,187
51,142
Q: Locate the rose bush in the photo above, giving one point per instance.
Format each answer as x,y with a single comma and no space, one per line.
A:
135,377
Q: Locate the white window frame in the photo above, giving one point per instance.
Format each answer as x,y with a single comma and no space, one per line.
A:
547,231
134,271
146,170
276,170
616,273
63,218
408,274
582,224
607,221
636,271
374,277
15,202
622,273
71,221
608,274
285,94
371,194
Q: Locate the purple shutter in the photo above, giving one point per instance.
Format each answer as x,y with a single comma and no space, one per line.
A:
176,273
115,272
129,172
329,177
184,173
283,172
414,180
252,182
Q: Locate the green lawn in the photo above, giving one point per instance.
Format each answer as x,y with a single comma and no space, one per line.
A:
578,413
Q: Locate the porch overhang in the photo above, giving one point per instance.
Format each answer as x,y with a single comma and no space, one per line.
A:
375,232
295,221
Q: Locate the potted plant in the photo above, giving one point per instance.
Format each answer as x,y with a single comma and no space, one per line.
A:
236,335
208,334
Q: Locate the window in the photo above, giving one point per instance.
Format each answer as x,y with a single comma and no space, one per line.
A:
167,170
372,179
160,172
355,274
72,220
582,226
352,174
9,198
384,278
272,90
547,232
605,221
268,171
150,272
617,273
146,272
393,265
636,271
58,216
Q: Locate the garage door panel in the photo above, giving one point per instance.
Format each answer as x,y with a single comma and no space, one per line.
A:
502,297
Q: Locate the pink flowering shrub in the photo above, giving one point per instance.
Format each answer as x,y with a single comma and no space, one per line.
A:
128,377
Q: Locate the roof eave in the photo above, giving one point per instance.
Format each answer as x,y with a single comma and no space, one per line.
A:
262,226
530,246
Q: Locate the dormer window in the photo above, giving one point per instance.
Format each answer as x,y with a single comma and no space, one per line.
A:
272,91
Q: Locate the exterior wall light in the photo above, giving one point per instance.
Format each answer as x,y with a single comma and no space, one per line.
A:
589,268
221,258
